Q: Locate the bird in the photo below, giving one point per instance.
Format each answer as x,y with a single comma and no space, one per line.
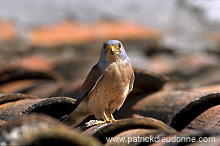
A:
106,86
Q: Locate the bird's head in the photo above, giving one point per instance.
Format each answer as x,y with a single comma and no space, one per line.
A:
113,50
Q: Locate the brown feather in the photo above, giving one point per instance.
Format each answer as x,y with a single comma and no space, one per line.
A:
91,81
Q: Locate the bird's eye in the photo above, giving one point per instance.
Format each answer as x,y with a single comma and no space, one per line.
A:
105,46
119,45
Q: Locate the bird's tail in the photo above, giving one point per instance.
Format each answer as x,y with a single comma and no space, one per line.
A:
75,118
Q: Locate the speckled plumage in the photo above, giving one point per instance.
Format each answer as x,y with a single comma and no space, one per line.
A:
106,86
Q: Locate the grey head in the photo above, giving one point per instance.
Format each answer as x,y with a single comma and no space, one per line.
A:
112,51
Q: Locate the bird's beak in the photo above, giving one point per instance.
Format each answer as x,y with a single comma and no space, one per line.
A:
113,50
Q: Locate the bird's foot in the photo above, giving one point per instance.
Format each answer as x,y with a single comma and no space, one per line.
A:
93,123
107,121
98,122
110,119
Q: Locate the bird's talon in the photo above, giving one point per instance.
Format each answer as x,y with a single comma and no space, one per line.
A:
103,122
107,121
115,121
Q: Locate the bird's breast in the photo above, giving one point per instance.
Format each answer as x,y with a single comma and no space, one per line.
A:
118,72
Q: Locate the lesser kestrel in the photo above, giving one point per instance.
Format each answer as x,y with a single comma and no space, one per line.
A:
106,86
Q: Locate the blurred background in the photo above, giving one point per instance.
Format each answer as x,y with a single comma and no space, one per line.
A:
61,40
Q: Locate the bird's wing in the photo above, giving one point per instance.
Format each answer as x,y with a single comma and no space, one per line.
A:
91,81
131,82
